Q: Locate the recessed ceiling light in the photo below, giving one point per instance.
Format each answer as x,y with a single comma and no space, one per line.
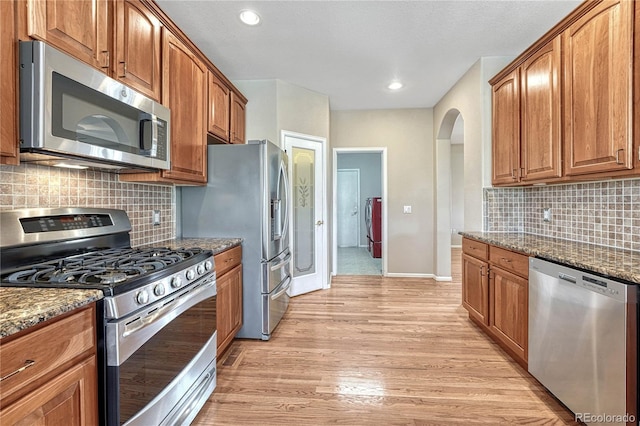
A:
395,85
249,17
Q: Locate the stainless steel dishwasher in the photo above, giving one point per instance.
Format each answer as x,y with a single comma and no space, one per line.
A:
583,341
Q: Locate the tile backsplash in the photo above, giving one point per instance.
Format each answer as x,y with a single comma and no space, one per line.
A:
604,213
31,186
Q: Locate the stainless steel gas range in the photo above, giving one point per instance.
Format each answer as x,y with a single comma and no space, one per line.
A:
156,322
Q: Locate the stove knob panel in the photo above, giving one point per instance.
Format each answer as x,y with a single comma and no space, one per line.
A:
200,269
191,274
208,265
176,282
142,297
158,290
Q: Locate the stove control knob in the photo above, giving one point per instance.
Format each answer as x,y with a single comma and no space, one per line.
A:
176,282
142,297
158,290
200,269
208,265
191,274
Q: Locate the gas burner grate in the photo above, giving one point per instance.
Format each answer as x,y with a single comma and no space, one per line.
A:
111,266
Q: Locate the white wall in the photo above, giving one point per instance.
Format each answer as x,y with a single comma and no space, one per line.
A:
457,192
261,113
408,136
276,105
471,96
370,166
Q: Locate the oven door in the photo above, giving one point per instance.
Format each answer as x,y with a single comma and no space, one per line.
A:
161,361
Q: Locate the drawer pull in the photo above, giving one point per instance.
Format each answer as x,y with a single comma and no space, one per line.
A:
504,259
28,363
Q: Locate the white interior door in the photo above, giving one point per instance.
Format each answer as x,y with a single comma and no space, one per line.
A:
348,198
307,231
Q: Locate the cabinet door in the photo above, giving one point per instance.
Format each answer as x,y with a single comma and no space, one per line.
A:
224,305
219,105
184,92
137,37
70,398
237,119
236,299
509,309
8,84
229,307
597,67
475,288
505,147
540,144
77,27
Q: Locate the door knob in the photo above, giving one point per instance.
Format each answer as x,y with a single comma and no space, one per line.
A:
320,222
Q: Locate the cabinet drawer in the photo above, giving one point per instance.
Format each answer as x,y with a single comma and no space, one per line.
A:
227,259
510,261
475,248
46,349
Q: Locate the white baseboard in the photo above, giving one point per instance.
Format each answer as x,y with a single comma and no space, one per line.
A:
407,275
452,246
443,279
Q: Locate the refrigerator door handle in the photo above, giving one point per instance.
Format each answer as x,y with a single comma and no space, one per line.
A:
284,288
285,179
285,261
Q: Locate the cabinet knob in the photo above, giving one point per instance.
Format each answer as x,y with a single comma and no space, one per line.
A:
618,156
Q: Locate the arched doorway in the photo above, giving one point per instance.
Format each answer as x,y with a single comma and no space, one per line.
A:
444,192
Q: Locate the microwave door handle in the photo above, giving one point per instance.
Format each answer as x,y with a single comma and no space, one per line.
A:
149,134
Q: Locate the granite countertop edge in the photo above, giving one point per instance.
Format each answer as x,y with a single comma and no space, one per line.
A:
215,244
609,261
25,307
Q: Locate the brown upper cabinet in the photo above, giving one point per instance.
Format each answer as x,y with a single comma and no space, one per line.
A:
598,89
8,84
526,120
219,108
226,117
184,92
505,152
541,148
237,118
79,28
137,38
563,110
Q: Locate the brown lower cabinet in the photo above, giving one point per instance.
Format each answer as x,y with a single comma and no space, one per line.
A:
229,298
49,375
495,291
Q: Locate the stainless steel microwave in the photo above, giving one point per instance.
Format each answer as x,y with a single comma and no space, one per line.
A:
75,116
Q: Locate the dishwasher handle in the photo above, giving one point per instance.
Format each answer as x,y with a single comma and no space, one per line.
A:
567,278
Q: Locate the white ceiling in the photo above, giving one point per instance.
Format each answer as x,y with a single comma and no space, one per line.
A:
351,50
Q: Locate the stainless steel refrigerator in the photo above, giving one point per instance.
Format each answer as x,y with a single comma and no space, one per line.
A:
246,196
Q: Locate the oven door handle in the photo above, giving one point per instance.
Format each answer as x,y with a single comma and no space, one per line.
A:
126,336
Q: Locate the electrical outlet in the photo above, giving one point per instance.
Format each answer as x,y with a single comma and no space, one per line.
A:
546,214
407,210
156,217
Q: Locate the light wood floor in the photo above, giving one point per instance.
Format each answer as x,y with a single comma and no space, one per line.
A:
377,351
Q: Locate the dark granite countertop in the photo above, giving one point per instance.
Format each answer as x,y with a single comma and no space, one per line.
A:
24,307
217,245
616,263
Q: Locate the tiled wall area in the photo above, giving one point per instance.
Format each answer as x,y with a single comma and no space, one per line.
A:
604,213
30,186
